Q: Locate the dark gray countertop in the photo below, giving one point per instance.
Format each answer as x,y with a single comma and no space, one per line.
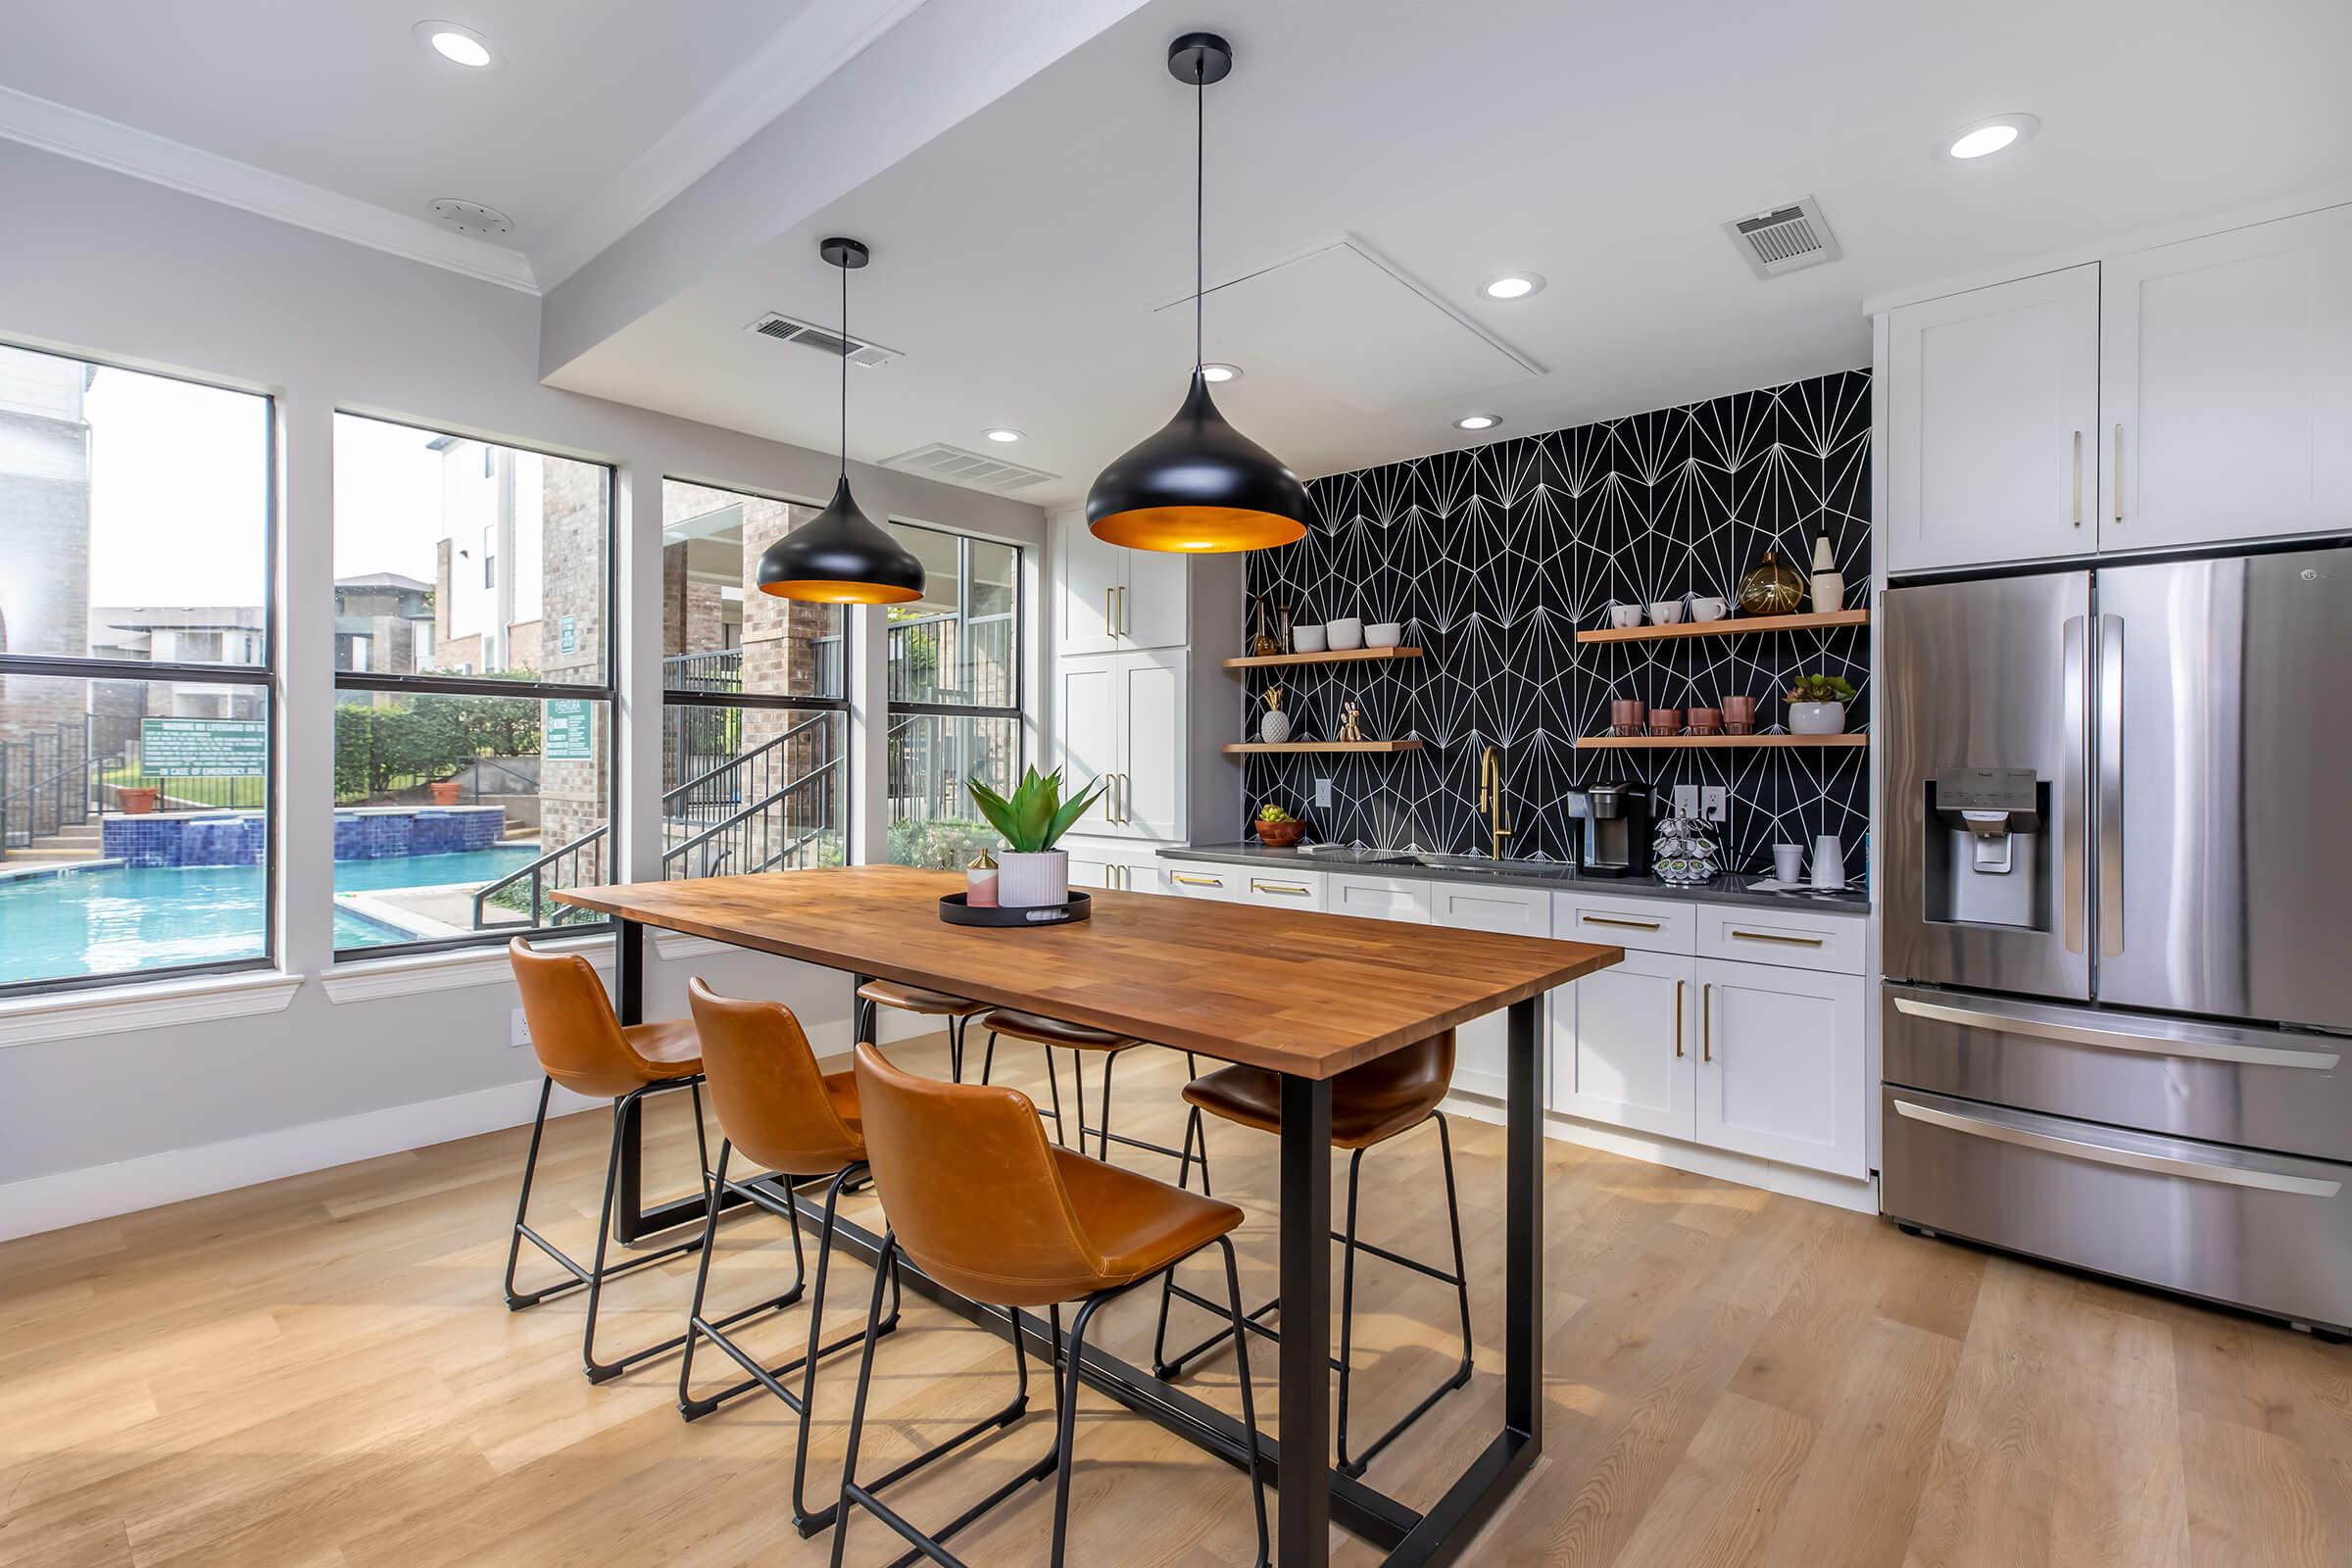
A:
1729,888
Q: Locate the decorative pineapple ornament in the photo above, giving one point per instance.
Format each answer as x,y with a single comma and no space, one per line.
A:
1275,727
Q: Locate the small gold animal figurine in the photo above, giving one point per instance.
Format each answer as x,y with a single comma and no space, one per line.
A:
1352,721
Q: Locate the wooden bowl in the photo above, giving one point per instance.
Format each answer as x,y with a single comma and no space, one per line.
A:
1280,835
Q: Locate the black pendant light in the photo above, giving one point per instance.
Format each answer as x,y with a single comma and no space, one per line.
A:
1199,485
839,556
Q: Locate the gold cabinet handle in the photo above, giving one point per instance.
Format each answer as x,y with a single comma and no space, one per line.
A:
2078,478
1110,619
1678,1019
1630,926
2119,473
1123,631
1707,1021
1196,881
1771,936
1279,886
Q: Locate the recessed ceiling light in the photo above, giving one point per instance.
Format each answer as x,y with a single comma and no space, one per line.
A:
1214,370
1478,422
1989,137
1513,286
458,45
1002,432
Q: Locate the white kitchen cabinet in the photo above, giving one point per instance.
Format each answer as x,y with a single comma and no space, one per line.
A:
1992,408
1623,1045
1112,599
1780,1064
2225,387
1097,862
1378,897
1122,719
1201,879
1481,1054
1283,889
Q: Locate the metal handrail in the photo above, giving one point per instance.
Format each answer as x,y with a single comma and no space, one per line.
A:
671,795
767,803
535,872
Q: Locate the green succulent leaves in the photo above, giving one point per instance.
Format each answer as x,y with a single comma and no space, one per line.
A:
1035,815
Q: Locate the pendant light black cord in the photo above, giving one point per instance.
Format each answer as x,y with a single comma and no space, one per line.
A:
845,373
1200,198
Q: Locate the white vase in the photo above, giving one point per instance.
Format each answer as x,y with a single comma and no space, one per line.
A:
1816,718
1027,881
1275,727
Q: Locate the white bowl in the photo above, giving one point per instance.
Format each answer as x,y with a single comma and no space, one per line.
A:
1306,639
1383,634
1625,617
1709,609
1666,613
1344,634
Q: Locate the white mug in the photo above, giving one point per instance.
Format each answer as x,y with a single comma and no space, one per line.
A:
1625,617
1788,863
1829,862
1345,633
1709,609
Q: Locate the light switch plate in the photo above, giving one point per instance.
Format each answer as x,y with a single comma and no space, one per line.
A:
1685,800
1322,791
519,1029
1714,804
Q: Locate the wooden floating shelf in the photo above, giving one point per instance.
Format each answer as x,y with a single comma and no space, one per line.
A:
1408,744
1343,655
1728,626
1634,743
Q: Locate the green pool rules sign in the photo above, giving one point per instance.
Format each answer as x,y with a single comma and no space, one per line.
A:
565,734
203,747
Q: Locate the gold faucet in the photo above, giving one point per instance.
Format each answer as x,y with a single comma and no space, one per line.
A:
1490,796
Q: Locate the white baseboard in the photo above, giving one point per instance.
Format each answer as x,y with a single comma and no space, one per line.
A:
1839,1192
99,1192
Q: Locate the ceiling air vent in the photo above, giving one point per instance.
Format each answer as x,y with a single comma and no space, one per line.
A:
785,330
954,466
1785,239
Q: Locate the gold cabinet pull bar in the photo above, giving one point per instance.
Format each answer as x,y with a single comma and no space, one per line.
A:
1678,1019
1769,936
1630,926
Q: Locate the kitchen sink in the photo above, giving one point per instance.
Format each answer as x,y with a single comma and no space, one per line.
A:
1495,868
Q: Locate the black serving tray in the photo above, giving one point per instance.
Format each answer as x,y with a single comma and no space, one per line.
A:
953,910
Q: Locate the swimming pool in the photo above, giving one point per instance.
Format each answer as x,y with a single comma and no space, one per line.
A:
120,918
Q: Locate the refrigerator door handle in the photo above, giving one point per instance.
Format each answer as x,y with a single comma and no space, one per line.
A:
2111,786
2073,786
2154,1037
1997,1127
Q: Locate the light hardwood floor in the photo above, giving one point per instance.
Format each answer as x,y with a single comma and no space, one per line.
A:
319,1373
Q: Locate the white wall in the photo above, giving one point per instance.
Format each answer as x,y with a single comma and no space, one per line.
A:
145,275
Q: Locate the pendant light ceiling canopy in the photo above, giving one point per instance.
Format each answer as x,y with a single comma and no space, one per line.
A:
840,557
1198,485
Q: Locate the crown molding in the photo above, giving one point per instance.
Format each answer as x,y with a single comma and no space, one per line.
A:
128,150
821,39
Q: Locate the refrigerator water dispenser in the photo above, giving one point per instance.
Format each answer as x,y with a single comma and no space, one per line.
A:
1983,829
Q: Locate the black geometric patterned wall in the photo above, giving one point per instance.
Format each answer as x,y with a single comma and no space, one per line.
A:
1493,557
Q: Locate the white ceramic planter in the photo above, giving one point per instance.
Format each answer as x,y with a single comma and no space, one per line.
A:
1026,881
1816,718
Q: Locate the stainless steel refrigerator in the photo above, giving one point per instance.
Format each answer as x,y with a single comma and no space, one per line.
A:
2117,912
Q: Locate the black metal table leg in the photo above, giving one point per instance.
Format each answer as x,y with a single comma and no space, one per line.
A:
1303,1536
1523,1231
861,1011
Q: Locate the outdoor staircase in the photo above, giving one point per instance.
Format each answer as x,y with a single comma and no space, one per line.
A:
73,841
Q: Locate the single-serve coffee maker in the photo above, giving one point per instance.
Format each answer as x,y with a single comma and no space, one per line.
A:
1617,830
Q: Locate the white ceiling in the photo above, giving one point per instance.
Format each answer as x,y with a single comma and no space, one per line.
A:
1019,260
340,95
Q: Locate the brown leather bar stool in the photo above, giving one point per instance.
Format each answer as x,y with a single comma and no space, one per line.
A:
1383,1099
585,1046
983,1204
778,1109
1077,1038
956,1010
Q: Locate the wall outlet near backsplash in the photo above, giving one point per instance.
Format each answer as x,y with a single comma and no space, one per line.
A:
1495,557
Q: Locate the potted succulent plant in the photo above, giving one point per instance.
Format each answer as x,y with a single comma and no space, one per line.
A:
1278,829
1032,872
1817,705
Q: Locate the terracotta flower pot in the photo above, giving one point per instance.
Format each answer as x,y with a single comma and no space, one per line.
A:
136,800
1281,835
445,791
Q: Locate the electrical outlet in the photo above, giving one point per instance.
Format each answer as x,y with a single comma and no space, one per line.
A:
1323,791
1685,800
1714,804
519,1029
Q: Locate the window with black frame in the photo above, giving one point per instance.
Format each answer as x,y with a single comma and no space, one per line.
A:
136,715
954,687
755,716
473,686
